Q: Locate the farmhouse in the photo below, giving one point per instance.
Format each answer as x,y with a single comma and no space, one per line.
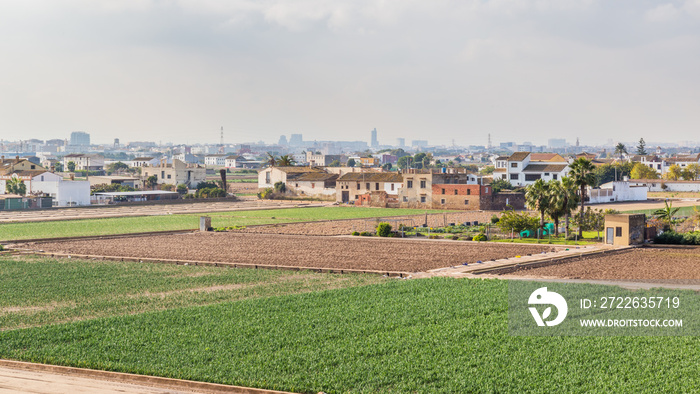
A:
352,185
84,162
269,176
417,191
313,184
176,173
524,168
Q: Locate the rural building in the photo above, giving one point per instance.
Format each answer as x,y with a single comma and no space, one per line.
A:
215,160
313,184
456,196
653,162
84,162
267,177
136,196
417,191
352,185
524,168
234,161
617,191
130,181
319,159
10,166
64,193
143,161
176,173
625,229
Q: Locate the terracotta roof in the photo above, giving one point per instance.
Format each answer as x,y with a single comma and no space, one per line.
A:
545,167
316,176
518,156
298,170
371,177
502,158
545,157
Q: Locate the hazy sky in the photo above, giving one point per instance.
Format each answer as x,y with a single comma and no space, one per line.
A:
439,70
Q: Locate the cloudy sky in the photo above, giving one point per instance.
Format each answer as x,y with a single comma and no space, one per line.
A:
168,70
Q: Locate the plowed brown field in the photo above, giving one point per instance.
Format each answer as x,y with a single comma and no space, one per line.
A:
361,253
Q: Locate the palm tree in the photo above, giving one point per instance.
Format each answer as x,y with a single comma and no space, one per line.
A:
271,159
620,148
563,201
537,197
582,175
285,161
666,214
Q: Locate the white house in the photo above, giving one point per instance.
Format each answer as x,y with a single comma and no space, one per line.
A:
84,162
143,161
617,191
64,193
664,185
524,168
215,160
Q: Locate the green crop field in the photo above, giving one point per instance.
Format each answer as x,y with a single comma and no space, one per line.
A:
683,211
429,335
125,225
39,291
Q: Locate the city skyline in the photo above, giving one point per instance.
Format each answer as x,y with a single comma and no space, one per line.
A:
442,71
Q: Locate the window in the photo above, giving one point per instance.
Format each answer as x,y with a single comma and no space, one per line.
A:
554,176
355,196
456,192
658,166
297,185
313,185
358,185
405,199
513,165
532,177
546,174
367,185
442,201
169,176
376,186
618,231
422,198
466,202
469,191
409,184
422,183
513,177
443,191
162,174
392,187
267,177
33,167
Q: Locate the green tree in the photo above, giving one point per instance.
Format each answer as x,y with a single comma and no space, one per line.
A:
620,148
501,184
487,170
271,159
404,162
151,182
15,186
285,161
537,197
351,163
182,188
564,201
117,167
58,167
582,175
387,167
335,163
383,229
641,147
418,160
666,214
674,172
641,171
516,221
71,166
280,187
691,172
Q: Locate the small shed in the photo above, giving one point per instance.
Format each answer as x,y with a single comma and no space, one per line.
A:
625,229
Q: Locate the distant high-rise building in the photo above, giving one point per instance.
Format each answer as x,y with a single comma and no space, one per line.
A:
296,140
374,142
419,143
116,143
79,138
283,140
555,143
401,142
577,142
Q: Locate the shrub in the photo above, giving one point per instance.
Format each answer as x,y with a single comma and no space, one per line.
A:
669,237
265,194
384,229
280,187
495,219
356,233
454,237
2,248
433,236
366,234
479,237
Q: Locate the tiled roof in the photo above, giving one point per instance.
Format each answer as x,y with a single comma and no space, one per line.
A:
518,156
316,176
299,169
545,157
371,177
545,167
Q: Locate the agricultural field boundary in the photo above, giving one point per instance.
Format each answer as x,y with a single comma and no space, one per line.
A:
121,377
400,274
89,237
546,261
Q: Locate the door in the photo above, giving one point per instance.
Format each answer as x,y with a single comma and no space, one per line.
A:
609,235
346,196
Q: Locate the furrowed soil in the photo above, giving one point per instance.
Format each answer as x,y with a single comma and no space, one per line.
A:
636,264
346,227
361,253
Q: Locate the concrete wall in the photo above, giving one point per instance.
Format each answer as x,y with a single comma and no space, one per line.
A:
311,189
617,191
657,185
65,193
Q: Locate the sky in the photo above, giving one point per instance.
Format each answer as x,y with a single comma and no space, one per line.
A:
439,70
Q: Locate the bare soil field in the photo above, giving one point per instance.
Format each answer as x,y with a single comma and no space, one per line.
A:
242,187
360,253
346,227
636,264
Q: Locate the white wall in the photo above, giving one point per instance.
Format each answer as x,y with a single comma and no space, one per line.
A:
617,191
65,193
671,186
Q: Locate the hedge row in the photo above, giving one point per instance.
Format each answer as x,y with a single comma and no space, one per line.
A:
671,237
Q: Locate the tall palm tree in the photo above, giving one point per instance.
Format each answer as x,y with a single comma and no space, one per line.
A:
537,197
666,214
285,161
620,148
563,201
582,175
271,159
